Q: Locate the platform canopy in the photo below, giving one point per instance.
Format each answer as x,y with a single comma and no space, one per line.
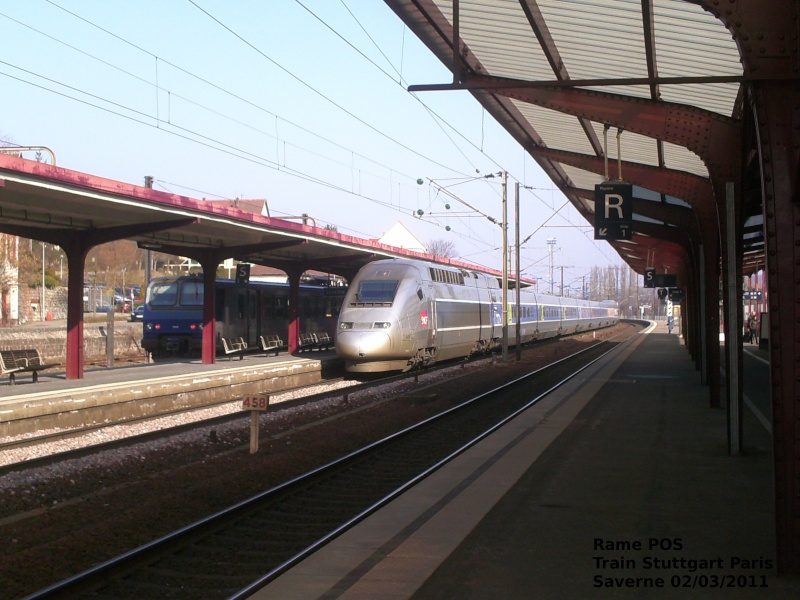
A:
58,206
562,77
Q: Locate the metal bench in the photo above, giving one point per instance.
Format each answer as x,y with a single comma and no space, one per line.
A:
308,341
324,341
19,361
271,343
234,346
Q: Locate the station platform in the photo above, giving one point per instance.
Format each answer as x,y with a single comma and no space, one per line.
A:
619,485
128,391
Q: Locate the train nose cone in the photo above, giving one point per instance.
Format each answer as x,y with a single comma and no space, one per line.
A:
363,344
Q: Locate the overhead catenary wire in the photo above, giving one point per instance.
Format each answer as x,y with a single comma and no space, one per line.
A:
203,140
437,118
159,122
310,87
236,150
203,80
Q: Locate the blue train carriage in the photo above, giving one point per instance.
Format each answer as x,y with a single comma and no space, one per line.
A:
173,313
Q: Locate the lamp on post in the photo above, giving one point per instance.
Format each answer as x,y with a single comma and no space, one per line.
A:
148,183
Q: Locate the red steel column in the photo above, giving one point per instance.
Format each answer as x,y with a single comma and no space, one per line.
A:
294,308
778,121
76,256
209,266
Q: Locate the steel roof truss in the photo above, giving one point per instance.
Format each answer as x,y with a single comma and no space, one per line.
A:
693,189
713,137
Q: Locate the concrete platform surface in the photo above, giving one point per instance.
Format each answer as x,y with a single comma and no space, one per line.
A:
127,392
620,485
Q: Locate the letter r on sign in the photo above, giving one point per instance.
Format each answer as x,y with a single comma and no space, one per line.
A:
613,202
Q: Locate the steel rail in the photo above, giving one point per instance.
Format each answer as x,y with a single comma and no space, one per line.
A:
245,593
199,529
130,440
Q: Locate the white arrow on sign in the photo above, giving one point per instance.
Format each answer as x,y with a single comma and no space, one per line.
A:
603,231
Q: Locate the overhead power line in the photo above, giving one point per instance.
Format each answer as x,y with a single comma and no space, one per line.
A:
159,121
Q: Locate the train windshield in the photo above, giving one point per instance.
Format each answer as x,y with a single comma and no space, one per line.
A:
172,293
163,293
382,291
192,293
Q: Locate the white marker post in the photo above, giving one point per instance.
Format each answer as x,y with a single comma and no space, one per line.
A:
255,404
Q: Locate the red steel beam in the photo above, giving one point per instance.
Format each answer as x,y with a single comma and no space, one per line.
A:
77,247
713,137
691,188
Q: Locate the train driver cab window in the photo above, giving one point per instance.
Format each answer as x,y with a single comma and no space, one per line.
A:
163,294
192,293
377,292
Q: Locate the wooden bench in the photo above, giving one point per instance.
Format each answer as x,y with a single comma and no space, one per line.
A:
324,341
234,346
271,343
19,361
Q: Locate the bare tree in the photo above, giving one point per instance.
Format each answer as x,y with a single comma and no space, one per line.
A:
7,274
442,248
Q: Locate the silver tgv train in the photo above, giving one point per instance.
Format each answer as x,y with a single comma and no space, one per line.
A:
402,313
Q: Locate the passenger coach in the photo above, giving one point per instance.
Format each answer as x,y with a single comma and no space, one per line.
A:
173,312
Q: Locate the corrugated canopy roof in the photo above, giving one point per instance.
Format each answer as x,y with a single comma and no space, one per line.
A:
547,70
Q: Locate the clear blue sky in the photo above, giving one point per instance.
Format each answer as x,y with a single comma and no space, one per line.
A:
303,104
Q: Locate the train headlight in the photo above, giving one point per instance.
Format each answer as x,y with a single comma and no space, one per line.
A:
149,326
345,325
383,325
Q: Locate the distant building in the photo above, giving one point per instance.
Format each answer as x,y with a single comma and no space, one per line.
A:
400,236
258,206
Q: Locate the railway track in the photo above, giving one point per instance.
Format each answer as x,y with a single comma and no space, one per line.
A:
233,552
66,434
161,432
